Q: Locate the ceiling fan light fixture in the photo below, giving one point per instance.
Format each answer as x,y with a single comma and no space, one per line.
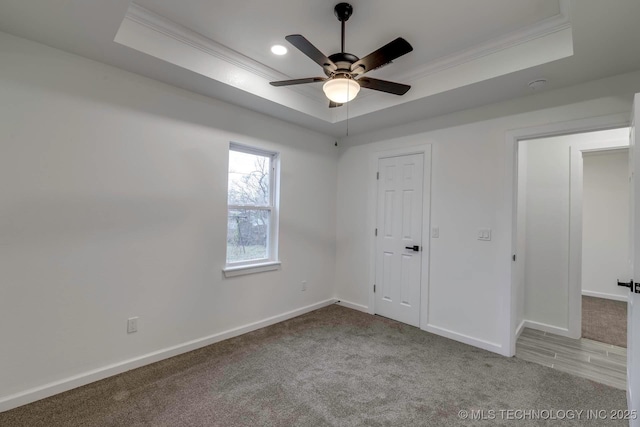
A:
341,89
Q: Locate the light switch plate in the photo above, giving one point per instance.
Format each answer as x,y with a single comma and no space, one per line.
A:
435,232
484,234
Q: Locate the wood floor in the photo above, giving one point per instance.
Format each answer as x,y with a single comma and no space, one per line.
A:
603,363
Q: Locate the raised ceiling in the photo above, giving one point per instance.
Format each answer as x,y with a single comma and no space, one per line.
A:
466,52
435,31
454,46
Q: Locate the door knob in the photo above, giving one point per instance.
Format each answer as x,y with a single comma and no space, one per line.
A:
633,286
626,284
414,248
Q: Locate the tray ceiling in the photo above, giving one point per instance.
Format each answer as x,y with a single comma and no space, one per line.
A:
467,53
435,28
456,43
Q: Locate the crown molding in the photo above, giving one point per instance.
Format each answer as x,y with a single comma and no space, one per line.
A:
553,24
196,40
538,30
193,39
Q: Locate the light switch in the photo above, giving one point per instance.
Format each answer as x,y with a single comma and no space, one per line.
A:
435,232
484,234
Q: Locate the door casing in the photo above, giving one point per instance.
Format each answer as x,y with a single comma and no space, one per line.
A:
633,305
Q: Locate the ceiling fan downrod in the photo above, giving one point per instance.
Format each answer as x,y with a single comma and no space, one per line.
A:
343,11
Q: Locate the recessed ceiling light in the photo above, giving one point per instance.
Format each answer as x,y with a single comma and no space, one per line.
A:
278,49
538,84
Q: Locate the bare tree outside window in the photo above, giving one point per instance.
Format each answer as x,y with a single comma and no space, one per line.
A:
250,206
248,179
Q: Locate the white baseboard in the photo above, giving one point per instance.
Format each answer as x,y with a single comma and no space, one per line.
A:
546,328
50,389
605,295
520,328
476,342
353,305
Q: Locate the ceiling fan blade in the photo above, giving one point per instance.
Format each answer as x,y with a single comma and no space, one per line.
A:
334,104
298,81
383,56
311,51
383,85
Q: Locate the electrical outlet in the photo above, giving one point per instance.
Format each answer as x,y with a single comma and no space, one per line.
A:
304,285
132,325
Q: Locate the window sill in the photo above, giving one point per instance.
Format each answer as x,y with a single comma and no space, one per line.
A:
251,268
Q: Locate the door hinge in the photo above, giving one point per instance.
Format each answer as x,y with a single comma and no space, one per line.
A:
377,175
374,289
376,233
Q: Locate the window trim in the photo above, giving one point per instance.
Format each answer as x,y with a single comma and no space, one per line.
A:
271,262
241,270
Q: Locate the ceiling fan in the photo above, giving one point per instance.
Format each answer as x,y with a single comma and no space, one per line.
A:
344,70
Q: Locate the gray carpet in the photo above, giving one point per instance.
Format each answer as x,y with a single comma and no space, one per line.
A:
331,367
604,320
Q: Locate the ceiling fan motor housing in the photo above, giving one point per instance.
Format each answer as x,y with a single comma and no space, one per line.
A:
343,61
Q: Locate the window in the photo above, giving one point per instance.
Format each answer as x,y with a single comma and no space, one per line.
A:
252,219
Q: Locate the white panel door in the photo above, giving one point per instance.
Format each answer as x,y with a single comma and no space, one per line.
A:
399,230
633,305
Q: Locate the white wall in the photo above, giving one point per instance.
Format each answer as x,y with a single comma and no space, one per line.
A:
113,204
546,297
113,189
605,222
548,226
469,280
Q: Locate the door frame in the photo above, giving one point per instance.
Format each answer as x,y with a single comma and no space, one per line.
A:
576,208
372,220
511,330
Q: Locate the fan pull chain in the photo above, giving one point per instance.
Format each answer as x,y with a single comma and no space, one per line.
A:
348,111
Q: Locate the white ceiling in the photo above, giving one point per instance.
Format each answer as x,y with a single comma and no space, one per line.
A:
251,27
466,52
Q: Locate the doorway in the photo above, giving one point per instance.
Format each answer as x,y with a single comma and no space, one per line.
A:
605,245
552,243
401,200
399,238
549,230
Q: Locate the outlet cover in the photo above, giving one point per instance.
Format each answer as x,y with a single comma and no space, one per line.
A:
132,325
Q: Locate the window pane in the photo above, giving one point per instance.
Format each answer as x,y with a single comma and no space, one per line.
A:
249,179
247,234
